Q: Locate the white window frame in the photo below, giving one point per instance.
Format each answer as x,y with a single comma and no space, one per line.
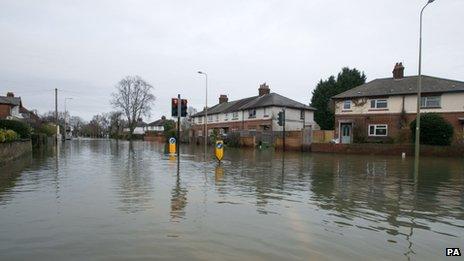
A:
210,118
425,100
347,102
252,114
235,115
302,114
376,103
226,116
375,130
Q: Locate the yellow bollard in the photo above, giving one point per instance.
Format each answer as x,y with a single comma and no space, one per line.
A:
219,150
172,145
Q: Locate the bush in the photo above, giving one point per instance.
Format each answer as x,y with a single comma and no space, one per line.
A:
19,127
8,136
47,129
434,130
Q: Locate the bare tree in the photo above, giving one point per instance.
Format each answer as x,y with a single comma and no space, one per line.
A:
134,98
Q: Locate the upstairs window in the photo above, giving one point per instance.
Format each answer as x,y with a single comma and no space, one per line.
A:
235,115
217,117
210,117
252,113
379,104
226,116
302,115
347,105
431,102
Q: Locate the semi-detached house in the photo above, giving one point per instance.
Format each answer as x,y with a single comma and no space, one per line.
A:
257,113
382,109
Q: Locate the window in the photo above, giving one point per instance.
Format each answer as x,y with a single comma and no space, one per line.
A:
235,115
252,113
378,130
217,117
210,117
265,113
200,119
302,114
226,116
347,105
430,102
379,104
200,133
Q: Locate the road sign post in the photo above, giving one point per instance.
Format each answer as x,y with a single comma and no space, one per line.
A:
219,150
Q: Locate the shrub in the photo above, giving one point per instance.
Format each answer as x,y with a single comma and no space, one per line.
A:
434,130
8,136
47,129
19,127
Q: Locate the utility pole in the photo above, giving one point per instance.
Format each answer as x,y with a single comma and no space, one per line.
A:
179,101
283,139
56,115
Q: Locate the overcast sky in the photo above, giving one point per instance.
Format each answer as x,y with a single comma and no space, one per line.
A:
84,48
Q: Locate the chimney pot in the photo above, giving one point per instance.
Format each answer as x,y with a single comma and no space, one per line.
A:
223,98
10,94
263,89
398,71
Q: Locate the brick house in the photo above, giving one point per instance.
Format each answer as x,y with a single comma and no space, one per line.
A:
257,113
382,109
11,107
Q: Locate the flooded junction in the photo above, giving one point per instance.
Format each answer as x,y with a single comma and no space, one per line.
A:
109,200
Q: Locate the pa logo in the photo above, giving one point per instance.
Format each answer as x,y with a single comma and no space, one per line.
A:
219,145
453,252
172,140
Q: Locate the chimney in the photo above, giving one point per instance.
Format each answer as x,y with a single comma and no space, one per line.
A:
263,89
10,94
163,117
398,71
223,98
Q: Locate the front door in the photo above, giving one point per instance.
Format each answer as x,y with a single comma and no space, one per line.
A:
345,132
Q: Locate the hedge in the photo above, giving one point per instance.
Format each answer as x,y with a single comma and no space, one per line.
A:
19,127
434,130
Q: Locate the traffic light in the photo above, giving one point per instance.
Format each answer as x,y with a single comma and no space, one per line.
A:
183,108
281,118
174,107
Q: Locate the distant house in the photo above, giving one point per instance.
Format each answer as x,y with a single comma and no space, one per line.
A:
158,125
140,127
380,109
11,107
256,113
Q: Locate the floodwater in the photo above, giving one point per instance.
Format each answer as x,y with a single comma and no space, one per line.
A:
108,200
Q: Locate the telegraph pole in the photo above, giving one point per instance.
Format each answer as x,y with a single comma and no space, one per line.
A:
179,101
56,115
283,140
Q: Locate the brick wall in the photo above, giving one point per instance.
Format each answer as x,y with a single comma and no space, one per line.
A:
389,149
12,150
398,125
4,111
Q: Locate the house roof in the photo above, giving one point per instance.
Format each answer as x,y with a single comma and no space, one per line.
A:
406,85
159,122
16,101
271,99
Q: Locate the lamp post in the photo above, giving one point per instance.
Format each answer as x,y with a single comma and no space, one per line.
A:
206,109
65,117
419,90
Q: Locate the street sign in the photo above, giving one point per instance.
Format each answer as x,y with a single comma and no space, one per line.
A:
219,150
172,145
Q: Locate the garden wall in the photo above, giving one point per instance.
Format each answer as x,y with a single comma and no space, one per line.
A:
388,149
12,150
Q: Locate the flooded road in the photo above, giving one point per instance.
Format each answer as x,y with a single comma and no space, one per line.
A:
108,200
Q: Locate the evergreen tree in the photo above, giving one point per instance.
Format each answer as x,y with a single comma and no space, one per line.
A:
325,89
